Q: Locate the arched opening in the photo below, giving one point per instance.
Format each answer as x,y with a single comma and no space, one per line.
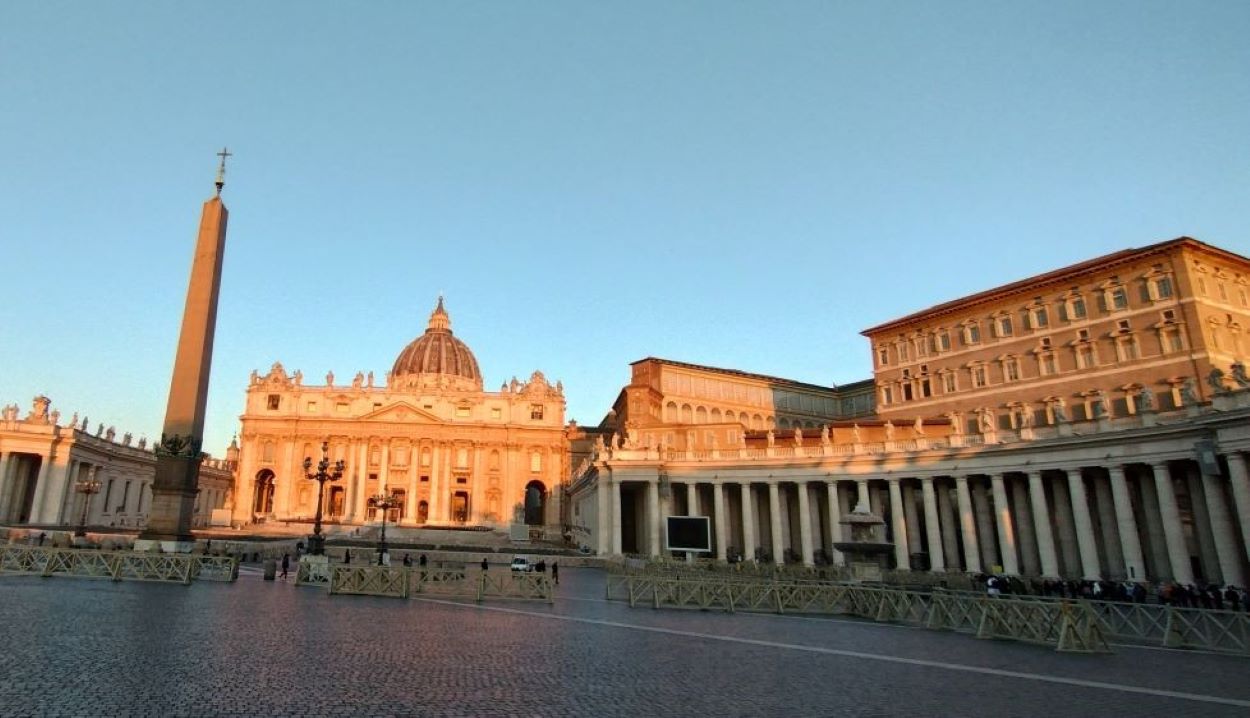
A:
423,512
535,503
262,497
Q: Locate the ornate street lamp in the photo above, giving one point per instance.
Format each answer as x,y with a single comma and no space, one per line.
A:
86,487
384,502
325,472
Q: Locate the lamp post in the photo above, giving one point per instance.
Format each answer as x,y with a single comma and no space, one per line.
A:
87,487
384,502
325,472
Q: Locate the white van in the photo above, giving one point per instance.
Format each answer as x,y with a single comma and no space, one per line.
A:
520,563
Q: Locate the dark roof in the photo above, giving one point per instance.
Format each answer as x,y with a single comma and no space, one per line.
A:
1063,274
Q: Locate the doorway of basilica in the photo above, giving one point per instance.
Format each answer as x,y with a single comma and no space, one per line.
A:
460,506
262,497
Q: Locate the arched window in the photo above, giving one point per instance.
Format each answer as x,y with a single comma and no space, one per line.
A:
715,416
700,415
687,414
670,412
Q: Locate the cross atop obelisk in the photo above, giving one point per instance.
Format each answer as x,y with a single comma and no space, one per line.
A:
221,169
178,452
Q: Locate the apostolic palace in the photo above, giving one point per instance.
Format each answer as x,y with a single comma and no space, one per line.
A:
1088,422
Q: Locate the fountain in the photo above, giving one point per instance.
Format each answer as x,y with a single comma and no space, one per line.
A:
867,550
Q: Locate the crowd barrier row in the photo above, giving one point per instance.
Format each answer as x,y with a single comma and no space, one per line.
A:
412,582
116,565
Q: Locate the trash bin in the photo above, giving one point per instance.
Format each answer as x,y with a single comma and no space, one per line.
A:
271,569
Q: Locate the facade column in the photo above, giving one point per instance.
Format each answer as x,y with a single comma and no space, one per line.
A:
985,525
748,523
899,523
968,526
54,511
615,523
41,483
949,523
64,513
774,523
835,524
1041,525
1085,539
692,499
1113,552
290,476
1222,531
653,517
1130,545
1006,530
1178,554
6,463
1065,526
362,481
718,520
1030,564
1159,566
805,525
1239,477
933,527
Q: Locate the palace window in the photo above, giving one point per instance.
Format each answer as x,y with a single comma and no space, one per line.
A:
1039,318
1202,286
1161,288
496,412
273,401
944,341
1223,291
902,351
311,407
342,407
462,412
887,396
883,356
979,376
948,383
536,411
1241,295
1072,308
1003,327
1086,357
1126,348
1117,299
1046,363
972,333
1011,369
1170,340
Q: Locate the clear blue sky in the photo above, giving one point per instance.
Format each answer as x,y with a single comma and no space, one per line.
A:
745,185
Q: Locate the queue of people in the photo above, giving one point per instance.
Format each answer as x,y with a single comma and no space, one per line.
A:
1211,596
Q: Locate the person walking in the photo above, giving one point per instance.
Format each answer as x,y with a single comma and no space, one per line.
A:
286,564
347,555
485,566
555,572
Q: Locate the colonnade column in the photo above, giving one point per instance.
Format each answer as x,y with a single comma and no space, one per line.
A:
967,526
912,518
1130,545
985,525
774,522
615,488
1238,475
718,518
653,517
603,499
1108,534
1006,531
1178,555
949,523
899,522
748,523
692,499
6,461
835,524
1085,540
1030,564
1041,525
1226,549
933,527
805,525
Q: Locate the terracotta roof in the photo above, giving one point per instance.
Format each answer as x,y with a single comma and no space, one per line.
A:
749,375
1063,274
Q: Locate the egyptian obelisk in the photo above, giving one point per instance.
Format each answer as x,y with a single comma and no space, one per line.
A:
178,453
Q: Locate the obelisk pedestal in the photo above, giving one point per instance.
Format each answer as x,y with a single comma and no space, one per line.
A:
178,456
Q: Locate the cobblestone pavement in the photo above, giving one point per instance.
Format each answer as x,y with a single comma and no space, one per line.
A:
97,648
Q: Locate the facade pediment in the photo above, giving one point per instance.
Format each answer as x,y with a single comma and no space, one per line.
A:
401,411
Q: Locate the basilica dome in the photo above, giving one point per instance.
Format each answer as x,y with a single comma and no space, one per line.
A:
437,355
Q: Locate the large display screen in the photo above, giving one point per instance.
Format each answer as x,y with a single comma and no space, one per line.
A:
689,533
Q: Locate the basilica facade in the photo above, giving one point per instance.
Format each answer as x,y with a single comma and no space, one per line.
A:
1090,422
447,451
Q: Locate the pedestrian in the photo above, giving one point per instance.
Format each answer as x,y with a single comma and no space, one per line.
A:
555,572
286,564
407,560
347,555
208,546
421,560
485,566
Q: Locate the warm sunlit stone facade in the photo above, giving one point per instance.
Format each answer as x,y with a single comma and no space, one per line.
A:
453,453
42,459
1129,464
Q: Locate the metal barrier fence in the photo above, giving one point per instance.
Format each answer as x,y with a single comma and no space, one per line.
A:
116,565
1160,624
405,582
1069,626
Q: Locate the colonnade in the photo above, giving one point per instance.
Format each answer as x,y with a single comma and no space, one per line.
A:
1164,519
